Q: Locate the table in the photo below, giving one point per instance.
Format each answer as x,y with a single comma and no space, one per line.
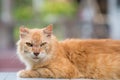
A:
12,76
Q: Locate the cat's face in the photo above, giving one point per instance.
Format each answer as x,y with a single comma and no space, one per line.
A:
35,43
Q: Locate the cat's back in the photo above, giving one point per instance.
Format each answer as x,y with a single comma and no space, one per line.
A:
90,43
91,46
99,57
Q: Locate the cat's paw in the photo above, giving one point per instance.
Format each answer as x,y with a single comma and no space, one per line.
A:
23,74
27,74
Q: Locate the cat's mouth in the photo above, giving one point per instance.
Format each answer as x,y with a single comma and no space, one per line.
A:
35,58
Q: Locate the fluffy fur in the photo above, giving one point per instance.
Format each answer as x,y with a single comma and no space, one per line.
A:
46,57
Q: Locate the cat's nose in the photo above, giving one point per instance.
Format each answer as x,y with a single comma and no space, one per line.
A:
36,54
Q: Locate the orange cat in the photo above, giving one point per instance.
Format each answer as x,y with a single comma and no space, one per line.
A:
46,57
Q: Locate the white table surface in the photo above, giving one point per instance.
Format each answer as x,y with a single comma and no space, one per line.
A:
12,76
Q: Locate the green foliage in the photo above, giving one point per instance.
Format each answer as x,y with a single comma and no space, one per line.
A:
22,3
23,10
23,13
58,8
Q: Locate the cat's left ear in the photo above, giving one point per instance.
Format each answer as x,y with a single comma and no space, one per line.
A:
23,31
48,30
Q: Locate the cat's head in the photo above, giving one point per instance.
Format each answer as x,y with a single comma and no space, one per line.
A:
35,44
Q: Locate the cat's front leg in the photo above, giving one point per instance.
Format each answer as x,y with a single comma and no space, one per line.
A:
43,73
28,74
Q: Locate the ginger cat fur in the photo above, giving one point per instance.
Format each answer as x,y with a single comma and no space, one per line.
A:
46,57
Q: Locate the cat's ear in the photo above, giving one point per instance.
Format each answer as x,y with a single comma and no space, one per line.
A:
23,31
48,30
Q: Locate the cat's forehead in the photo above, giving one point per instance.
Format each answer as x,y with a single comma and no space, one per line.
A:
36,36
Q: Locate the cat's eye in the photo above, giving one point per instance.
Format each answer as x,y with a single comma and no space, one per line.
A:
42,44
29,44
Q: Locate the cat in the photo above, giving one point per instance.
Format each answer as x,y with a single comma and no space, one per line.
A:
46,57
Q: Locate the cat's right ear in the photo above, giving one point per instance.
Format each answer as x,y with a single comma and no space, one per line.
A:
23,31
48,30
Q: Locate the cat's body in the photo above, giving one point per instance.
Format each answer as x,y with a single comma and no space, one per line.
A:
71,58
